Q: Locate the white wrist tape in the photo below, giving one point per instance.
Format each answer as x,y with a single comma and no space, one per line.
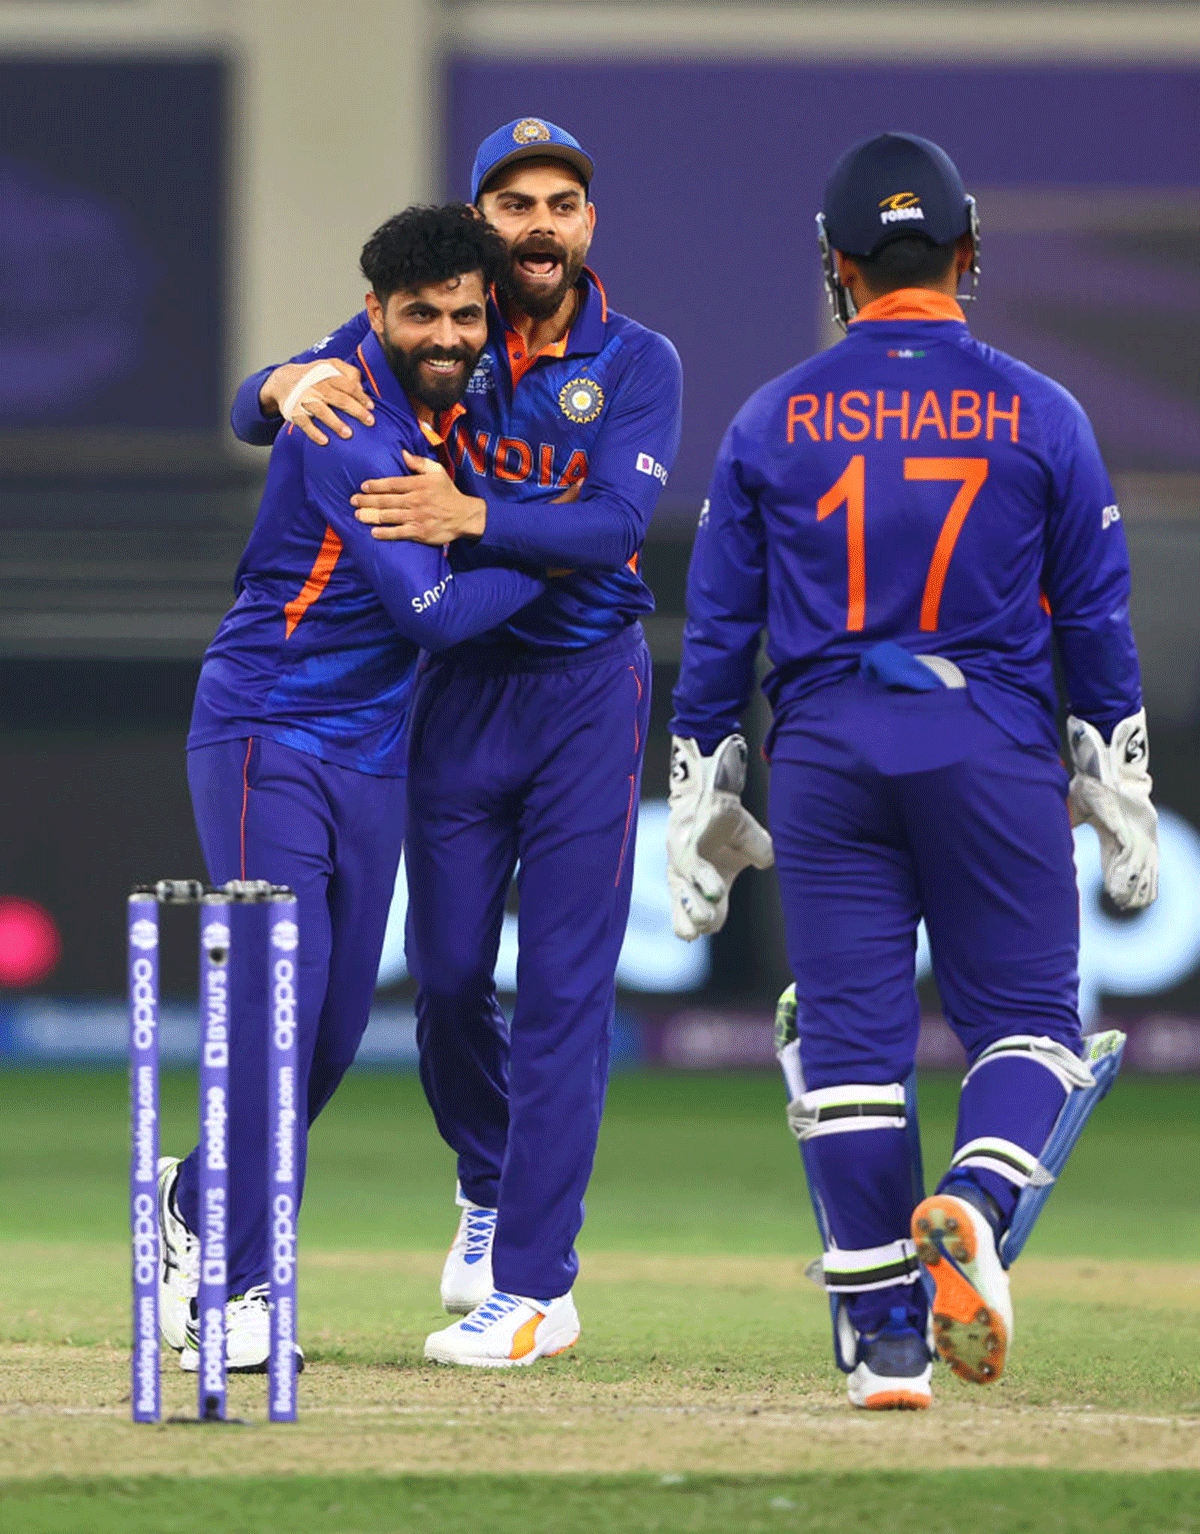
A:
314,375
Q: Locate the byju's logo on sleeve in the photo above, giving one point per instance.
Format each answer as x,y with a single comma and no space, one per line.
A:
648,465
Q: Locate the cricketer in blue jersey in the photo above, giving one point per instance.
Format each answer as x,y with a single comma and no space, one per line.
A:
296,754
917,520
526,745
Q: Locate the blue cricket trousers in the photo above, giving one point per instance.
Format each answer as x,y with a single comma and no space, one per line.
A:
887,806
266,811
534,766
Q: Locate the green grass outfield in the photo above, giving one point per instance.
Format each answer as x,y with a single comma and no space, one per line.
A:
701,1395
987,1502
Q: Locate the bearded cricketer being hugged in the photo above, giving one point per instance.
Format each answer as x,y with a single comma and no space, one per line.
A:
296,752
916,519
526,746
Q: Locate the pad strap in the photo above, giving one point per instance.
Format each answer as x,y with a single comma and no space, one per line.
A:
1070,1070
1006,1158
872,1267
847,1110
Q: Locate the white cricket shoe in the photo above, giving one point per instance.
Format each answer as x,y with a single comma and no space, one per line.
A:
507,1331
972,1309
178,1260
894,1368
247,1336
467,1271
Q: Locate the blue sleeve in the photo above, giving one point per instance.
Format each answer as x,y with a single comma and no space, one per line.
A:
426,600
627,470
726,607
1085,575
246,417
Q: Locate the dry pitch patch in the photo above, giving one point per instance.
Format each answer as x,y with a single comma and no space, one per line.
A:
686,1366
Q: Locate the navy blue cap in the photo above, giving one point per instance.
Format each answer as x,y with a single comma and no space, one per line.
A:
890,186
527,138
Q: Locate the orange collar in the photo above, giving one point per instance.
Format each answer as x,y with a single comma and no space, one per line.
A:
911,304
444,422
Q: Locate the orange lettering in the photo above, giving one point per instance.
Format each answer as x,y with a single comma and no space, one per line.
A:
968,410
882,414
796,417
576,469
860,416
849,490
971,474
1011,416
546,476
829,417
506,447
477,452
929,414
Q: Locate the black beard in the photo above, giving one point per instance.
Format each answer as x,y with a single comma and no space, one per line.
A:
539,306
434,396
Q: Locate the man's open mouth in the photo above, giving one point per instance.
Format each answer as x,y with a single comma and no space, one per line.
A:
539,263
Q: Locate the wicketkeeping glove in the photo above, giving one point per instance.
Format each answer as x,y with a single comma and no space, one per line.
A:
1111,791
711,837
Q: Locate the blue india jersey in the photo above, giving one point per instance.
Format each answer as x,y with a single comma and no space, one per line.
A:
317,651
910,485
600,408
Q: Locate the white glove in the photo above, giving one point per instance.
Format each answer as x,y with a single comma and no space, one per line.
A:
1111,791
710,836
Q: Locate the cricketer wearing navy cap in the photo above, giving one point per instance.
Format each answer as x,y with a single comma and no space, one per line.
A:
896,187
525,748
919,522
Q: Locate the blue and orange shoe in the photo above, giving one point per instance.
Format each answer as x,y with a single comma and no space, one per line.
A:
507,1331
972,1308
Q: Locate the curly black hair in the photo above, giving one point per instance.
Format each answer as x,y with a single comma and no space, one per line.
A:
424,247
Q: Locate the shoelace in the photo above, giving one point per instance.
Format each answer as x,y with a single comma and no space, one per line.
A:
481,1223
494,1308
257,1297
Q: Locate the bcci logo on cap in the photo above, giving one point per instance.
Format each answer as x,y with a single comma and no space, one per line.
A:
144,935
581,400
286,935
531,130
900,207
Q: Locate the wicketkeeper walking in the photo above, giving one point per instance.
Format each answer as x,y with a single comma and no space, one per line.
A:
917,520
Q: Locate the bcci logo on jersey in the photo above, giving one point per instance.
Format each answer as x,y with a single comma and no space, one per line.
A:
900,207
483,379
581,400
